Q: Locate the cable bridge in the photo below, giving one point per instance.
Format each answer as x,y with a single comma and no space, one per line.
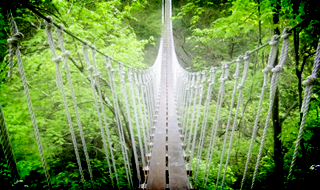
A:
167,164
156,111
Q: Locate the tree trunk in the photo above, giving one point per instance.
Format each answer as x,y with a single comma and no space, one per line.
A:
135,179
259,24
278,155
298,72
231,49
259,42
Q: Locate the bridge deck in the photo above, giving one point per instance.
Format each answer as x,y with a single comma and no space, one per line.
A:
177,167
157,173
167,129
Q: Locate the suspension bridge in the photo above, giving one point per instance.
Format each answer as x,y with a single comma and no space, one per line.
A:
161,110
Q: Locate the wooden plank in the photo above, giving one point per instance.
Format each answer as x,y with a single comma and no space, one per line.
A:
157,173
177,167
178,178
167,119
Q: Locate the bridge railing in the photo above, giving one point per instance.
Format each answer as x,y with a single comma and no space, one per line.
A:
86,95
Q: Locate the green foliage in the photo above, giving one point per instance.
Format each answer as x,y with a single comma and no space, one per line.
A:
108,25
5,173
209,33
214,168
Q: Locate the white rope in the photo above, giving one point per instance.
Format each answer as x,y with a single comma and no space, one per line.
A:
308,83
144,106
187,113
143,124
198,115
177,84
149,87
186,98
272,58
14,42
191,131
33,117
179,96
222,80
119,122
236,77
181,93
124,91
96,80
147,96
90,68
133,99
65,54
211,82
240,87
184,102
16,38
274,83
57,60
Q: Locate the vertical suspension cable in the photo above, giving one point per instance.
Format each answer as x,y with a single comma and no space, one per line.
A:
90,68
152,99
236,77
147,95
180,85
222,80
211,82
146,98
187,112
119,122
133,99
184,106
14,41
274,84
124,91
197,117
240,88
144,106
196,86
272,57
103,112
149,77
65,54
185,98
143,124
148,92
308,83
57,60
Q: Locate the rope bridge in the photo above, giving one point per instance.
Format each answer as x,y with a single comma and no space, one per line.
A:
166,112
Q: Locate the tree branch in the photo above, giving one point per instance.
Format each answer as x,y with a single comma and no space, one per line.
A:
292,107
107,102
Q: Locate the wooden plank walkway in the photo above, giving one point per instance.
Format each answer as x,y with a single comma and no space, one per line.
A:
157,172
167,164
177,166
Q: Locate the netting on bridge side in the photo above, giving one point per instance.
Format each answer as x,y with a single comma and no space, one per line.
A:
224,108
116,89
